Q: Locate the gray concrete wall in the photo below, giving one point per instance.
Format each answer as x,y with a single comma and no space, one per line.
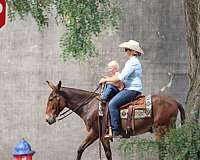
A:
29,58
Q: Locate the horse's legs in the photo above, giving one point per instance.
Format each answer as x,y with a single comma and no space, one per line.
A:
160,131
159,134
91,137
106,146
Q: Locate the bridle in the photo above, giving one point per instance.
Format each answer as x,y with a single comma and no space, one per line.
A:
85,101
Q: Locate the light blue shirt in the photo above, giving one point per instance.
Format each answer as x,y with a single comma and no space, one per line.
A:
131,74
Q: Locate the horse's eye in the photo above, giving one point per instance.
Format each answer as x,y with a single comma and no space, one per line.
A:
50,99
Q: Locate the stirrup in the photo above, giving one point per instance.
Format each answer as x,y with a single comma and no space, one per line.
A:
109,135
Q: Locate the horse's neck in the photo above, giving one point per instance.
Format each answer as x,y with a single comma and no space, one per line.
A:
76,98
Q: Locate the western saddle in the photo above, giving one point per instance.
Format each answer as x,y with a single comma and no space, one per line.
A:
128,112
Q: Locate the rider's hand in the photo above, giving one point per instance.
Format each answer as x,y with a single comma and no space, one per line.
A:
102,80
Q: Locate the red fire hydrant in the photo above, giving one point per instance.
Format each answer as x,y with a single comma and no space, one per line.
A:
23,151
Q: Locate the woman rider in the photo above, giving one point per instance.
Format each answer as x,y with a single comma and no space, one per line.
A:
131,77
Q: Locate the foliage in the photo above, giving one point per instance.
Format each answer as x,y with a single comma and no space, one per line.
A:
182,143
140,146
82,19
179,144
23,8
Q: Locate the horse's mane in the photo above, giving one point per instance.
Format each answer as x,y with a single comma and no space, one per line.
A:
76,90
80,96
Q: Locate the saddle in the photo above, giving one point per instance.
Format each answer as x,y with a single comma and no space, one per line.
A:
138,102
140,108
137,109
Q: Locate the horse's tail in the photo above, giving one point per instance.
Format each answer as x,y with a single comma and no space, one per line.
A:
182,112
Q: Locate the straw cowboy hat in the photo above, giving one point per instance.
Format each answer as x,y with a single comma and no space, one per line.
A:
133,45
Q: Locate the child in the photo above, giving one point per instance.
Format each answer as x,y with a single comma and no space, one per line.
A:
111,89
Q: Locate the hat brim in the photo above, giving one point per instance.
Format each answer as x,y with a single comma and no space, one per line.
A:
132,47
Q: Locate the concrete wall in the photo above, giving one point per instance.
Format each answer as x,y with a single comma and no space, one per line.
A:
29,58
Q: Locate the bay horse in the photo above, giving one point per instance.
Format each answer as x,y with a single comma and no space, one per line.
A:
84,104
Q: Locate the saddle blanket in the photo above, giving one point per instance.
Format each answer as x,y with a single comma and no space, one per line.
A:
140,112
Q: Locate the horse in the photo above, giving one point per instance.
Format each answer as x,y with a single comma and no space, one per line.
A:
84,104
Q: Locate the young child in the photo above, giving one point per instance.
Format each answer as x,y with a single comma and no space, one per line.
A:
111,89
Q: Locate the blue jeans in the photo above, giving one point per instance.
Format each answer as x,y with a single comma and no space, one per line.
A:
108,92
117,101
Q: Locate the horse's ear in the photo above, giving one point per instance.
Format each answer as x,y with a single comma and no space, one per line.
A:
59,85
51,85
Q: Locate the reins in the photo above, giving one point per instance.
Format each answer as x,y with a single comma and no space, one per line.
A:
85,101
100,126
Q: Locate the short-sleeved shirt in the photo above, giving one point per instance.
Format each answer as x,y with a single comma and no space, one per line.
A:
131,74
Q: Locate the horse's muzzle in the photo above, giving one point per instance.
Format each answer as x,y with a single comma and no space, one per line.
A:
50,120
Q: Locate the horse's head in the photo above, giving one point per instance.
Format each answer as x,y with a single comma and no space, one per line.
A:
56,103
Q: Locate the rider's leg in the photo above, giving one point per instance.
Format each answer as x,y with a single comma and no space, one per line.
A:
108,92
118,100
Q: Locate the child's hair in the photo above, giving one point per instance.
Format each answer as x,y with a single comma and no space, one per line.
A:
114,64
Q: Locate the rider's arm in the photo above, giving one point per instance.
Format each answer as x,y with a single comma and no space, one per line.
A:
127,70
112,79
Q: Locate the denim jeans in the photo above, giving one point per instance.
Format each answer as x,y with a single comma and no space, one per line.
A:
108,92
117,101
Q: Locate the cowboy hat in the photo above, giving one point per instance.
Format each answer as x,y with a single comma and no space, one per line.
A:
133,45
